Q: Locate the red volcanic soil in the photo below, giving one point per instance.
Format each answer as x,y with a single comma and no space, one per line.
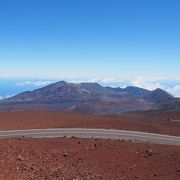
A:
75,159
146,121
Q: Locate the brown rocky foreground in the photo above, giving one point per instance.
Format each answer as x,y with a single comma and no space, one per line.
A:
143,121
73,158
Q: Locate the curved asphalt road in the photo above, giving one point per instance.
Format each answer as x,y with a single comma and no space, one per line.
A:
95,133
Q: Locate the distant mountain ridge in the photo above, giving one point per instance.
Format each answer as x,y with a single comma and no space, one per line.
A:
88,97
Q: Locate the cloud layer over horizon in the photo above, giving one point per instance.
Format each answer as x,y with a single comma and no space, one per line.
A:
12,87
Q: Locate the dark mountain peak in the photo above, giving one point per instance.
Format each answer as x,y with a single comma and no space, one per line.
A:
136,91
88,84
62,82
158,89
53,86
59,83
134,88
93,87
158,95
161,92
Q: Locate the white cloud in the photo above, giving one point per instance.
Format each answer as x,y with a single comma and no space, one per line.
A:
7,96
109,80
174,91
34,83
93,80
147,83
112,80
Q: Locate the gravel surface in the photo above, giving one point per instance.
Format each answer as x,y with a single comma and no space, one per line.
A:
75,159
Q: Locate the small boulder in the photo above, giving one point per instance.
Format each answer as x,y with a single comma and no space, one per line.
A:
65,154
20,158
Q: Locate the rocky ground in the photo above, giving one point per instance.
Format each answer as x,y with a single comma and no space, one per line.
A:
144,121
73,159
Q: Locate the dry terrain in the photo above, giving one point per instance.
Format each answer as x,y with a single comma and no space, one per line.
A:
151,121
73,158
76,159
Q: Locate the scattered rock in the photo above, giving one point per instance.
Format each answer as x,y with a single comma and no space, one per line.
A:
73,137
120,178
33,168
65,154
74,164
63,158
56,173
75,178
149,152
24,168
20,158
79,159
155,175
136,177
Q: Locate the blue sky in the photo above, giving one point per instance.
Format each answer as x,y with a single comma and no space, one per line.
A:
90,39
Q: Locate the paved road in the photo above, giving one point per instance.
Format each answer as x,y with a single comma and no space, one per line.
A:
95,133
175,120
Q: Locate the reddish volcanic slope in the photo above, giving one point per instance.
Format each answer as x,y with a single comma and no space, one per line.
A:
151,121
75,159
